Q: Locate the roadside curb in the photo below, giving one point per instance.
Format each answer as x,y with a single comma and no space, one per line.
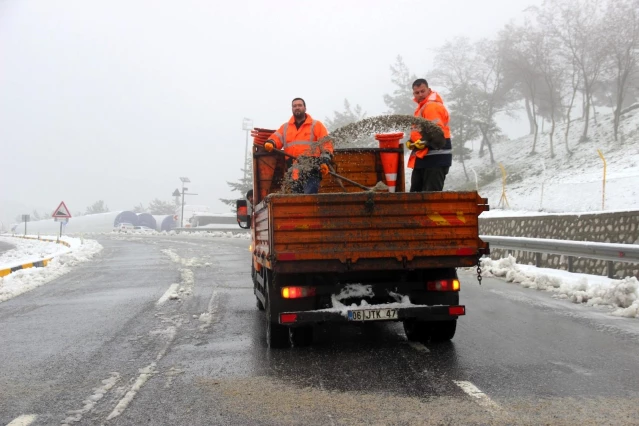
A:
38,264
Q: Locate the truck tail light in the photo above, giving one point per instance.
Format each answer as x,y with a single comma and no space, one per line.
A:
456,310
287,318
297,292
443,285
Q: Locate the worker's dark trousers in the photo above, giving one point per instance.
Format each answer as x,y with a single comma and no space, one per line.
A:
432,179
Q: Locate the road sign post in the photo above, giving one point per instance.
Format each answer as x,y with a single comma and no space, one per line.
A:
25,218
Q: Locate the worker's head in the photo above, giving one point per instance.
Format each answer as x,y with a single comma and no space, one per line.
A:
299,107
420,89
249,196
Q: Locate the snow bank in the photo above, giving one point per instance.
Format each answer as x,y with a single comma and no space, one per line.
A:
203,234
622,296
28,251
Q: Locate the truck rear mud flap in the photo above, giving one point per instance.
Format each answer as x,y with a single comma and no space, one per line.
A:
373,313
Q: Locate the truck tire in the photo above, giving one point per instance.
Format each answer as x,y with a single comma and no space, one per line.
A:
417,331
276,334
258,303
434,331
300,336
443,331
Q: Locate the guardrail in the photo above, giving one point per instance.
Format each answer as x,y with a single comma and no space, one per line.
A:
235,230
628,253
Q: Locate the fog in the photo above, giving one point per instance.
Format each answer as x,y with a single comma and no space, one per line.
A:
115,100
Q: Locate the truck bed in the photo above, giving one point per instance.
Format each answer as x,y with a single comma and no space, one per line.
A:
339,232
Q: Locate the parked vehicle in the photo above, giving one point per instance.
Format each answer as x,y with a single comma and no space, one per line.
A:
123,227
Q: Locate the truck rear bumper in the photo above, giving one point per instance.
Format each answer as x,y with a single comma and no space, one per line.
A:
424,313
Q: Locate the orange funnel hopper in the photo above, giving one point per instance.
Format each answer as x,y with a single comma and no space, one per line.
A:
390,160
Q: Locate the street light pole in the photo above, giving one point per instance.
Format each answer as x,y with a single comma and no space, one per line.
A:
247,125
184,180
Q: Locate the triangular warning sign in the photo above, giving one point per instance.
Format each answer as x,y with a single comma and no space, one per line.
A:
61,211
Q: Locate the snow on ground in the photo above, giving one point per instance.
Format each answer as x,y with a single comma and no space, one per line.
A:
621,297
28,251
241,234
571,183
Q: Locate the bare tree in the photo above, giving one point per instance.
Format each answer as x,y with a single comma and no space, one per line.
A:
622,41
493,89
521,51
578,25
454,70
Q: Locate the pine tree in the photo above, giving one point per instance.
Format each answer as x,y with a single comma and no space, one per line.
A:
401,101
243,184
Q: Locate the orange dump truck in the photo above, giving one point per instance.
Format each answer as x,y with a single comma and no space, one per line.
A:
346,254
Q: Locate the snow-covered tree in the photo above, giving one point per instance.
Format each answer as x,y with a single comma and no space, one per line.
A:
157,206
98,207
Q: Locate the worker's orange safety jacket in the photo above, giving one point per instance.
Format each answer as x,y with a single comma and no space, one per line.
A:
432,108
302,141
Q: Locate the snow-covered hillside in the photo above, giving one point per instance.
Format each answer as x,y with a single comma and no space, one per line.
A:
571,183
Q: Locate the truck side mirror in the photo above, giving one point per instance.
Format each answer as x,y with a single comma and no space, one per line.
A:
243,218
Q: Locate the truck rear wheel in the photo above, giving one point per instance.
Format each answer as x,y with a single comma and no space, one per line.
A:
435,331
258,303
300,336
277,335
443,331
416,331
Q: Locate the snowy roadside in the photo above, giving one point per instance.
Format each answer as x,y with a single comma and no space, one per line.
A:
621,297
192,234
28,251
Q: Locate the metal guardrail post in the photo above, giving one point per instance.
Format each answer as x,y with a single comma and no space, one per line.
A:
610,268
538,259
570,263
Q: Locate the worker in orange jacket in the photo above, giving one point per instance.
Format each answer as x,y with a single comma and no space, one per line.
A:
430,166
299,137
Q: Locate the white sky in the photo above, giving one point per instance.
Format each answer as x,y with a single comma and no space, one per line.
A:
115,100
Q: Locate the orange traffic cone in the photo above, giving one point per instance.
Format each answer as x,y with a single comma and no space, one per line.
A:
390,160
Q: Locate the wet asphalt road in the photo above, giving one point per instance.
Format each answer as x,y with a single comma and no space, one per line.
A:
95,347
5,246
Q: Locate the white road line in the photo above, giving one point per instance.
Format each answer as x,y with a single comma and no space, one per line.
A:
172,290
145,374
418,347
75,416
208,317
24,420
481,398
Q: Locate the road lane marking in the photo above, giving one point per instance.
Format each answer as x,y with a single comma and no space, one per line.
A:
145,373
24,420
481,398
172,290
76,415
208,317
418,347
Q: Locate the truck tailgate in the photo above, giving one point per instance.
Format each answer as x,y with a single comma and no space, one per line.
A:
369,230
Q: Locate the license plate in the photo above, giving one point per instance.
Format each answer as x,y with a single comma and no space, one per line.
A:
372,315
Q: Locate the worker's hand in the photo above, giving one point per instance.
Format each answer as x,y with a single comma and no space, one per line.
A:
324,169
409,145
268,146
419,144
